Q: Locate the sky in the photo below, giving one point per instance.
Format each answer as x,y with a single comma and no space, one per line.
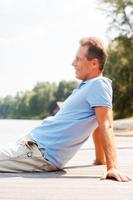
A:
39,39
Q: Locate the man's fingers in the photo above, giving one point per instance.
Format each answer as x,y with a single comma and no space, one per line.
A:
125,178
118,177
129,179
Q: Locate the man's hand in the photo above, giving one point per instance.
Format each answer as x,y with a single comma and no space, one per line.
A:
113,173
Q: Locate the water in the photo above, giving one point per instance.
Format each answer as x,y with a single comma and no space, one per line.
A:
12,130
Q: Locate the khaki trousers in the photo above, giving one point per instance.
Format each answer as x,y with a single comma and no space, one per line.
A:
24,156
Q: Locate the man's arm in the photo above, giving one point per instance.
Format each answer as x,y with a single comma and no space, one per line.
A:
99,151
104,118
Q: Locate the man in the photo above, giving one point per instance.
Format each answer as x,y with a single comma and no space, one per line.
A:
49,146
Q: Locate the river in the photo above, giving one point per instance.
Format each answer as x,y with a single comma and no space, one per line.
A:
12,130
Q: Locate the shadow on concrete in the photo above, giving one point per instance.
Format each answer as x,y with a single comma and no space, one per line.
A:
55,174
78,166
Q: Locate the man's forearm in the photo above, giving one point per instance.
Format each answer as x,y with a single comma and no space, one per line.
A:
99,151
109,146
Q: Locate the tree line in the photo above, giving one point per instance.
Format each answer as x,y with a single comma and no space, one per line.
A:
38,102
120,54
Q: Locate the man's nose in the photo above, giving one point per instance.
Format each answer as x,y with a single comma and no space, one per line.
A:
73,63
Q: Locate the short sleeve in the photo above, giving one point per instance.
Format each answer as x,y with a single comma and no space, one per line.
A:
100,94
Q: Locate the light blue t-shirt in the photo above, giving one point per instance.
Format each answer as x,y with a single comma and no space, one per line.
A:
63,134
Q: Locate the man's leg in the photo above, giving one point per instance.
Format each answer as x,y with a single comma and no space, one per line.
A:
24,156
99,152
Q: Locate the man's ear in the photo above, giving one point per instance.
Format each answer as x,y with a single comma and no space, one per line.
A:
95,63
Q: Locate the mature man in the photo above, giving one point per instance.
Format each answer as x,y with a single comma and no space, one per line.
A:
88,109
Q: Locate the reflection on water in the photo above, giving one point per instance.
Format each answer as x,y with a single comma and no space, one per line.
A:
11,130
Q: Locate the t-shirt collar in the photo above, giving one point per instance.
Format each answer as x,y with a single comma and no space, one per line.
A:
84,82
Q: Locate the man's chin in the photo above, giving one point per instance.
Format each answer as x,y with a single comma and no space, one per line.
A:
78,77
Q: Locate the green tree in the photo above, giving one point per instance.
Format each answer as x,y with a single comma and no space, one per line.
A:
40,101
64,89
120,69
120,13
37,103
22,104
7,107
120,61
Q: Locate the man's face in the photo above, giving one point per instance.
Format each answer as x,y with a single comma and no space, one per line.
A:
83,67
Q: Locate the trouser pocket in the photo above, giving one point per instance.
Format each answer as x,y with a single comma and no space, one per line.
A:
38,155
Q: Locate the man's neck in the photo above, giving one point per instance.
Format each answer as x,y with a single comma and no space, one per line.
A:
94,76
